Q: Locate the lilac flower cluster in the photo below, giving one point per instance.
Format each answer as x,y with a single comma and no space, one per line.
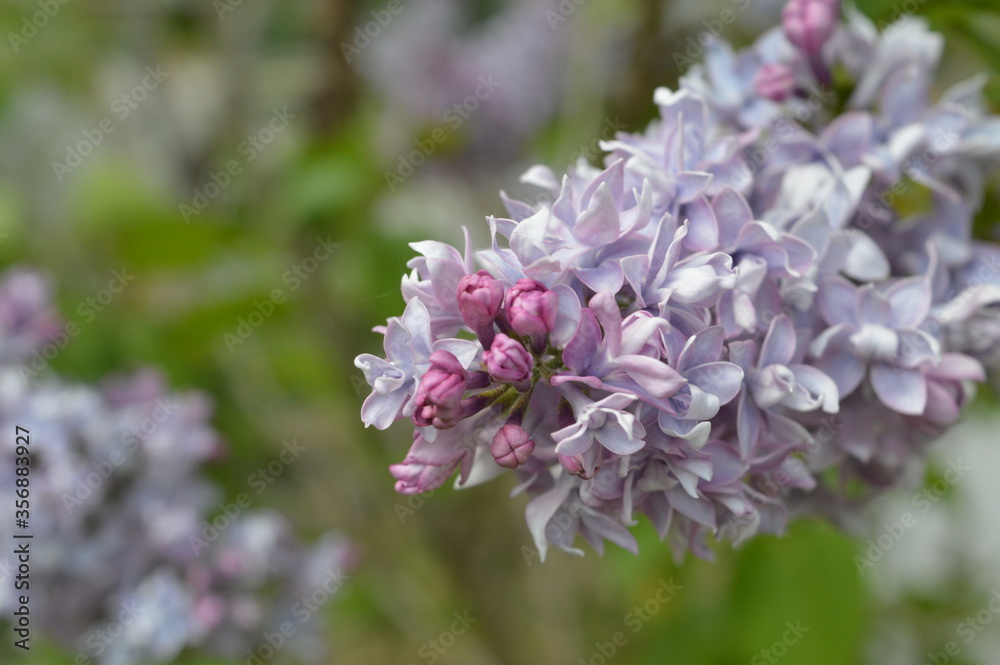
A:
760,304
127,565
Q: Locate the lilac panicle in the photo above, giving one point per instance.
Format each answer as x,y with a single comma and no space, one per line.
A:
732,317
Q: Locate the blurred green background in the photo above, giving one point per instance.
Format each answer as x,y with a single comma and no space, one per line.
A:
233,71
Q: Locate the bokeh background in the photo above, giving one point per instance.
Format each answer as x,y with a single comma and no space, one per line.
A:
211,147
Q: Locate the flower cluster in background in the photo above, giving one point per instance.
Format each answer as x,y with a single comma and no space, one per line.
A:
129,564
768,301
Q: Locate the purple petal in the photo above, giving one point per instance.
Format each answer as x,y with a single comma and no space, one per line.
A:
958,367
819,384
865,260
743,353
380,411
732,213
607,528
704,230
606,277
599,224
873,307
584,349
655,376
902,390
611,179
849,136
846,370
606,309
836,301
542,508
568,319
779,343
699,510
621,438
910,300
704,347
720,378
748,423
691,184
529,236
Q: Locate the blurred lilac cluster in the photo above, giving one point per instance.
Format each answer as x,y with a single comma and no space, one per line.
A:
768,301
128,564
430,63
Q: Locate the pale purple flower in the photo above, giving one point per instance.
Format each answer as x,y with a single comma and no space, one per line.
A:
878,331
775,377
408,347
602,421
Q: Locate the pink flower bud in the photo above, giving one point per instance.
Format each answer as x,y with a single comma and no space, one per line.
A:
531,310
508,361
808,24
775,82
479,299
439,394
414,477
572,463
512,446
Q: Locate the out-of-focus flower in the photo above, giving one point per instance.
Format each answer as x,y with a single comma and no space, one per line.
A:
122,516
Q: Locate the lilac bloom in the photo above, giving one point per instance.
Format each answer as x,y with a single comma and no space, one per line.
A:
772,378
408,347
710,383
877,331
603,421
689,346
624,358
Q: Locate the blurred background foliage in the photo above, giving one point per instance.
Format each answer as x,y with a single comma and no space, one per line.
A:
232,65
